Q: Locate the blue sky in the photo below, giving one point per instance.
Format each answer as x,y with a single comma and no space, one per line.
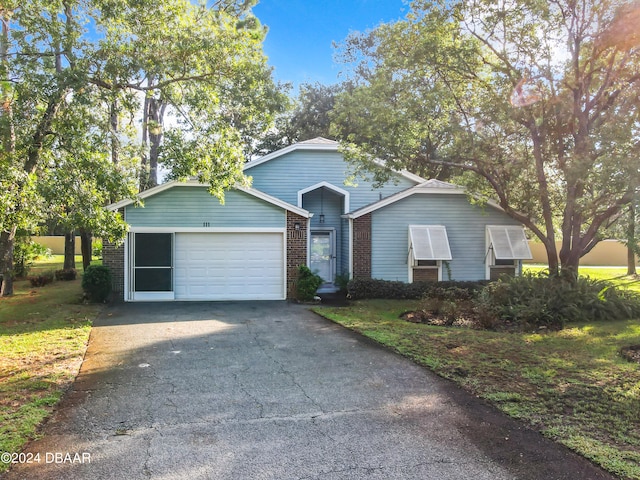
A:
299,42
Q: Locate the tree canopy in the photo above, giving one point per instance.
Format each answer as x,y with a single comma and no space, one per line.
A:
536,102
81,79
306,117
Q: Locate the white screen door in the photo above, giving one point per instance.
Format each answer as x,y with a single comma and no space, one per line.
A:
322,258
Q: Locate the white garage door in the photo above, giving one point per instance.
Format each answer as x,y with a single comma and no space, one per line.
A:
229,266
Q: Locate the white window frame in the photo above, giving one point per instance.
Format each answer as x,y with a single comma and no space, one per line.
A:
149,296
412,261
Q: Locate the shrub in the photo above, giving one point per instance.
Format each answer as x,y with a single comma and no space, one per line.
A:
41,280
96,283
66,275
361,288
308,283
535,300
96,249
25,253
342,282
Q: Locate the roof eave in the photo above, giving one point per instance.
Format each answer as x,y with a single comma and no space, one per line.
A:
194,183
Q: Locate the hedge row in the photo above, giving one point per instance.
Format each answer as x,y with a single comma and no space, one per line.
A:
361,288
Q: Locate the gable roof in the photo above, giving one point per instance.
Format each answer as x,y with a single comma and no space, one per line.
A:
321,144
194,183
429,186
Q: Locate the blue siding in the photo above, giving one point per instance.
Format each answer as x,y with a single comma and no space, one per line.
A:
284,176
183,206
331,205
465,225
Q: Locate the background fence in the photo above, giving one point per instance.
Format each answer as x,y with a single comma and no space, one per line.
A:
605,253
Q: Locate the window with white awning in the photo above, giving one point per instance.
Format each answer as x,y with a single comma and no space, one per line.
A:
428,248
508,246
509,242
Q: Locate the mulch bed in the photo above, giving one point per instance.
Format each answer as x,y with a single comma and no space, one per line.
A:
631,353
466,319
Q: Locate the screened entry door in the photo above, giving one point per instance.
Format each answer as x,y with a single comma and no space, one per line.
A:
152,266
323,259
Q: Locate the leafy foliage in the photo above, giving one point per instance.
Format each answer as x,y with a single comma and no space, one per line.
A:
26,252
534,102
360,288
41,279
96,283
66,275
307,117
308,283
536,300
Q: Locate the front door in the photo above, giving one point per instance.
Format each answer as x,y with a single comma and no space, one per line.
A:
323,259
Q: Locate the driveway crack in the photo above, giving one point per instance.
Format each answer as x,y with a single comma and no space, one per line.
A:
282,368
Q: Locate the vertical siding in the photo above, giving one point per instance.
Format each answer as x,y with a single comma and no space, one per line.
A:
465,225
186,206
284,176
343,254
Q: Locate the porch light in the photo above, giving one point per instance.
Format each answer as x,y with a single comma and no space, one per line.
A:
322,218
296,225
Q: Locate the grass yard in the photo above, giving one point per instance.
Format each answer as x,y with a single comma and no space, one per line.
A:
43,337
617,275
572,385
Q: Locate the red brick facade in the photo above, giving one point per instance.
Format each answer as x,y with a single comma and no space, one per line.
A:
296,250
362,246
113,257
422,274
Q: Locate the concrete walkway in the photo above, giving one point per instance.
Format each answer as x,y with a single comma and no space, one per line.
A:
269,390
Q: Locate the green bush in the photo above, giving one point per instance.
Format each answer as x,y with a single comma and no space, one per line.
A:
96,248
66,275
536,300
361,288
41,280
25,253
96,283
308,283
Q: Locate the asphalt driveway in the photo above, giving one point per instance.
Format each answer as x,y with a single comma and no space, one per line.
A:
269,390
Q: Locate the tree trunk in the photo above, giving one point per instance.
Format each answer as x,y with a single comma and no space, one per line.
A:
7,243
154,124
7,238
631,240
570,260
69,250
144,167
552,258
113,120
85,246
631,260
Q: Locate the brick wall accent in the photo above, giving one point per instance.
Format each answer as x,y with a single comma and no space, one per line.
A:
296,250
496,271
362,246
113,257
425,274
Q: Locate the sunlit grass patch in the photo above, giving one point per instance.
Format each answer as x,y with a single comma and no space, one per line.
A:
43,337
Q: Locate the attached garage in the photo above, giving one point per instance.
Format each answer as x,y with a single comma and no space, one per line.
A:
185,245
229,266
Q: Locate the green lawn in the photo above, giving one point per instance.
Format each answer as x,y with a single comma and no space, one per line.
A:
617,275
43,337
572,385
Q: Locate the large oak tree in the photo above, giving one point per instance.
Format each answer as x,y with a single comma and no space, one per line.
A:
536,101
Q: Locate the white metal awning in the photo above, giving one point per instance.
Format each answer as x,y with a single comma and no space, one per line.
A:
509,242
429,242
